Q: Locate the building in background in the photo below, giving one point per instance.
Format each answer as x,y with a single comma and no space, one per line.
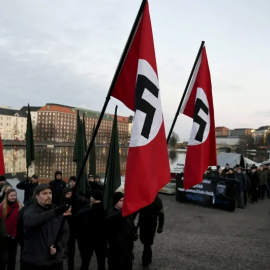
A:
130,125
15,162
260,135
34,114
123,125
58,123
222,131
12,124
241,132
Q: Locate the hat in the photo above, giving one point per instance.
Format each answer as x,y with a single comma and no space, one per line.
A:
227,164
209,169
42,187
97,195
90,175
73,178
66,190
97,176
58,172
117,197
2,178
35,176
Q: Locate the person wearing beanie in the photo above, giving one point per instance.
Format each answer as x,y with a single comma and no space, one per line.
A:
92,218
58,186
121,236
28,186
43,218
3,181
72,181
226,170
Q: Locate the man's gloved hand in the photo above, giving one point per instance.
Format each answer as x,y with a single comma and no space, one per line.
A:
159,230
61,210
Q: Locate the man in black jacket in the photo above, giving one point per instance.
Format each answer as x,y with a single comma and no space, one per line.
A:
3,245
58,186
240,187
148,225
42,222
121,232
92,218
28,186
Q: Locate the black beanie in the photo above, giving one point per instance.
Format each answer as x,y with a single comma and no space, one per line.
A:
117,197
2,178
97,195
56,173
73,178
66,190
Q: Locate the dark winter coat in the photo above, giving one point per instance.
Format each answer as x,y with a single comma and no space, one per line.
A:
120,232
57,191
240,186
3,243
41,226
28,187
261,178
148,221
211,174
92,220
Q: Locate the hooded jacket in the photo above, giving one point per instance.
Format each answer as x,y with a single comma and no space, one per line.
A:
57,189
28,188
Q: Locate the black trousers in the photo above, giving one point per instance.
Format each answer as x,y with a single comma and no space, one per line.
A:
261,192
12,245
245,197
87,248
71,249
28,266
147,254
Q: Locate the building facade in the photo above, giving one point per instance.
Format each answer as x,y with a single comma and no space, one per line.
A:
58,123
34,115
12,124
15,161
241,132
222,131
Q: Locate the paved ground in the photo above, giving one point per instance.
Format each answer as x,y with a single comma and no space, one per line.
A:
199,238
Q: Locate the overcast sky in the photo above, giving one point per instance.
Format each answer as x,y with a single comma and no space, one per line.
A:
66,52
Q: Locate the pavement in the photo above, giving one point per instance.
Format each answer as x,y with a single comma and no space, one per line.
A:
201,238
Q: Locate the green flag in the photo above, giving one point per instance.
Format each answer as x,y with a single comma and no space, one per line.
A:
113,173
82,185
92,158
30,147
77,139
84,134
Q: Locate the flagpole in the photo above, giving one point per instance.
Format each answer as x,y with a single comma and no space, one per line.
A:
114,80
185,91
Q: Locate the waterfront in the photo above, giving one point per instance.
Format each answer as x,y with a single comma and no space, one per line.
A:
49,160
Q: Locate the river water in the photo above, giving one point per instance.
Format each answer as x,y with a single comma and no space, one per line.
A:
49,160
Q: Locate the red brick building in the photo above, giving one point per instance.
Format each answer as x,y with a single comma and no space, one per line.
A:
222,131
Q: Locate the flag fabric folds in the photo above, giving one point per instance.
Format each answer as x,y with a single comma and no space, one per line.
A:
30,147
198,105
92,157
137,87
82,186
113,173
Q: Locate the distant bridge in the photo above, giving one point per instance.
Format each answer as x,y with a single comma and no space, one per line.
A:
226,148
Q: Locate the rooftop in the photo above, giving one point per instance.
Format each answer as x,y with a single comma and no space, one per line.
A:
12,112
32,108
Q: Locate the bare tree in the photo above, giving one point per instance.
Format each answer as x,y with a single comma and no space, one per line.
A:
174,139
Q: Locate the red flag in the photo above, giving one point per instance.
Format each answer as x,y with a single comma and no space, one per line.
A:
2,164
138,88
198,104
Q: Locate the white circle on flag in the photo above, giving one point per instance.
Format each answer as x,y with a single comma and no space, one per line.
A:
145,69
205,118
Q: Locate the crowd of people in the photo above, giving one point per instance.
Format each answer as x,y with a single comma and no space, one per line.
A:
252,182
52,220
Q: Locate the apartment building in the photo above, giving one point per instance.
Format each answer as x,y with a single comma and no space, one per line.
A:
12,124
